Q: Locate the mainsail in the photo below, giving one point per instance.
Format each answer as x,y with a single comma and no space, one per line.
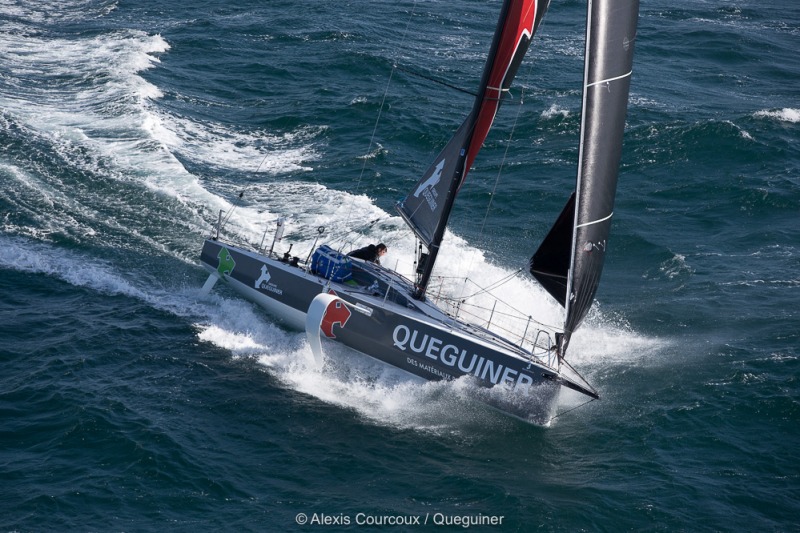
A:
570,259
427,207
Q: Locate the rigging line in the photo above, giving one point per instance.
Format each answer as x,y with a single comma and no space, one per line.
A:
518,315
490,287
262,162
241,194
233,208
355,233
383,99
505,154
462,299
374,131
508,146
569,410
500,170
503,162
578,375
434,80
380,112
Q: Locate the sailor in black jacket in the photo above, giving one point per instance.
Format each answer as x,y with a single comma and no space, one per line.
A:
372,253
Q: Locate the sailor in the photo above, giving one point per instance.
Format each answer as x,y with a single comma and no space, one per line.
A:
372,253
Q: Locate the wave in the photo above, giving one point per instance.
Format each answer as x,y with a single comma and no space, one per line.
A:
89,93
58,11
555,111
90,96
349,380
38,258
251,151
786,114
86,103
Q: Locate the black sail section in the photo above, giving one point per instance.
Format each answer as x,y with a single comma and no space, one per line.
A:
550,264
427,208
424,208
611,30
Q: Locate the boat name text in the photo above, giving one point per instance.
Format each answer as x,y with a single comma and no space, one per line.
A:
451,355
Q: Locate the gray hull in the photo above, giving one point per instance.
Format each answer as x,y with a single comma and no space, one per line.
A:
382,321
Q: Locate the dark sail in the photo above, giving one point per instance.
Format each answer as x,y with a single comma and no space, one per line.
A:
550,264
423,209
427,208
570,259
610,34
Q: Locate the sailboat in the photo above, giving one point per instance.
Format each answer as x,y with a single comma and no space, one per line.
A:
384,315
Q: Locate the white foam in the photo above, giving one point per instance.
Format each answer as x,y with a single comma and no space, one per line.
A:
102,117
676,267
257,151
25,256
391,397
555,111
742,132
786,114
348,380
375,391
118,121
603,342
50,11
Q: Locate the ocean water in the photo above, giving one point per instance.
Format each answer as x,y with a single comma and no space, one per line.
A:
130,402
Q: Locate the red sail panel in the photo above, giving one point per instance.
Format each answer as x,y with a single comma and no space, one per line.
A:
518,28
426,209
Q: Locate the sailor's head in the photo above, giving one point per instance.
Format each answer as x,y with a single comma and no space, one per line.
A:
382,249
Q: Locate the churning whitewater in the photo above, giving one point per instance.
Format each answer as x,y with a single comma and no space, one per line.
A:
131,401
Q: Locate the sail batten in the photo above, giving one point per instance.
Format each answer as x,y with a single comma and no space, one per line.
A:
595,221
609,80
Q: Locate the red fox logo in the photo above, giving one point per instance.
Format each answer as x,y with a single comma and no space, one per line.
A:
336,313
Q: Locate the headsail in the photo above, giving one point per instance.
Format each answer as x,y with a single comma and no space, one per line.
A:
550,263
427,208
610,33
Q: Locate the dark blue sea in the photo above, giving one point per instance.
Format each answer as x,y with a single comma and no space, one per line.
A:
131,402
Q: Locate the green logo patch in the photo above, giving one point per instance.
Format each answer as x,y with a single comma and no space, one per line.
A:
226,262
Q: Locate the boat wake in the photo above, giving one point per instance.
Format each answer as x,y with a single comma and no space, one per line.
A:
388,396
370,389
130,139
